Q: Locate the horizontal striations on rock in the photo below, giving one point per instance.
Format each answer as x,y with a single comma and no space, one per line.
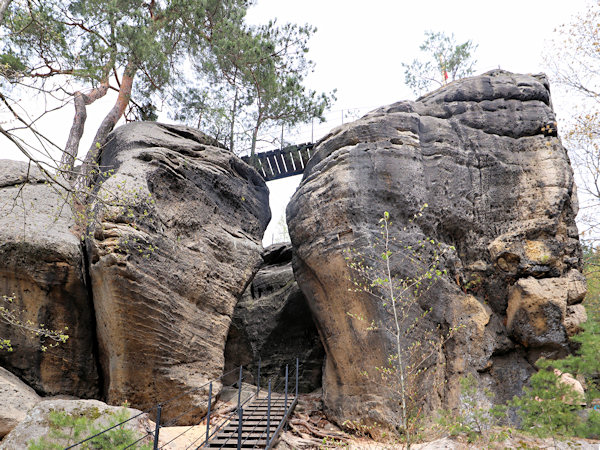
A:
272,322
169,265
42,267
483,153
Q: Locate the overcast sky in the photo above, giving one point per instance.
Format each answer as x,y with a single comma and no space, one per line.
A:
360,45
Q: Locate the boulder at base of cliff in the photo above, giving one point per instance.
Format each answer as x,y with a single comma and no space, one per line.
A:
42,270
272,322
475,180
169,260
16,399
60,423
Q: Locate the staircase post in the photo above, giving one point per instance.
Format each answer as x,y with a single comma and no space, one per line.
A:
297,367
258,378
157,429
240,388
240,419
208,412
268,413
286,385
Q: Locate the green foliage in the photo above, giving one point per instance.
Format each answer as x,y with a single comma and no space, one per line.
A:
376,274
257,76
80,37
331,442
11,315
475,421
548,407
64,50
11,66
590,427
68,429
551,408
444,60
585,363
591,260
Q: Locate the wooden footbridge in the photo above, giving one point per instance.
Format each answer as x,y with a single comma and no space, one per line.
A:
281,163
255,422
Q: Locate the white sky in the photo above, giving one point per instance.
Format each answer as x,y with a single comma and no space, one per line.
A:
359,48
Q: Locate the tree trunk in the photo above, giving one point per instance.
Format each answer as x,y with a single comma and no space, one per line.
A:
233,113
118,109
255,133
3,6
107,125
81,100
253,147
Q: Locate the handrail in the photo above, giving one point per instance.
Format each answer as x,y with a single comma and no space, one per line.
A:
230,415
273,440
156,405
208,436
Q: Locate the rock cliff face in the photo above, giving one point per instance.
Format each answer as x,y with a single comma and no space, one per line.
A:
168,267
484,155
272,322
42,266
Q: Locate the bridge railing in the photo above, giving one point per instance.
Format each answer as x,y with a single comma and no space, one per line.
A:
157,411
282,163
280,136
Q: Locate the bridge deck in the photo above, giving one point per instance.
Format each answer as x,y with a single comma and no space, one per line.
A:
282,163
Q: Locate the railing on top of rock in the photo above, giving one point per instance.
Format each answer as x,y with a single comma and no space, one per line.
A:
260,428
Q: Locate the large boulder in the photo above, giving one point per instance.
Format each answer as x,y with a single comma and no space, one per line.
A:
272,322
169,261
17,399
59,423
42,269
483,155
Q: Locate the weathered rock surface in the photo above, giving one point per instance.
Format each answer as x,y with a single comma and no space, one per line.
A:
541,312
36,425
272,322
42,267
484,155
169,266
17,399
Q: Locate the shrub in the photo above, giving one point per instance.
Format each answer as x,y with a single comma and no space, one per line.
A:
68,429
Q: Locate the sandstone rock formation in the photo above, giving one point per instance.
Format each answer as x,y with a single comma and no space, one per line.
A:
42,266
36,425
484,155
17,398
169,265
272,322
